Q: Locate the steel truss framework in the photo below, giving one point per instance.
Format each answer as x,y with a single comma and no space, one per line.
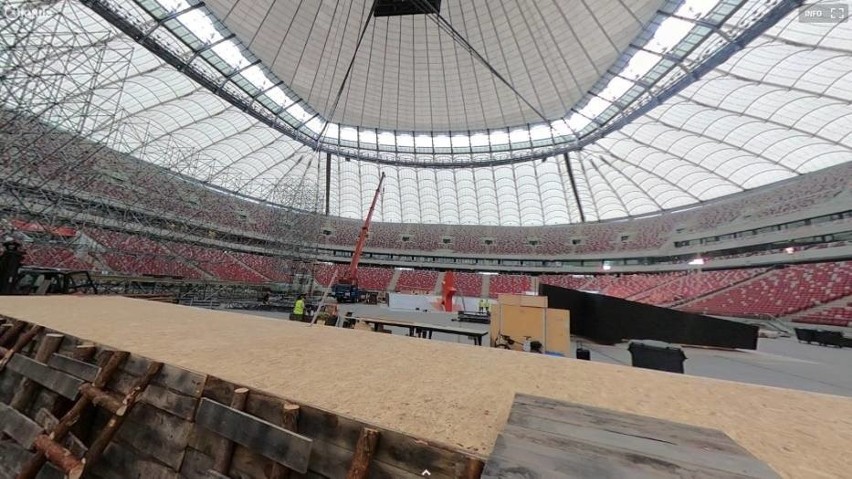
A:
78,203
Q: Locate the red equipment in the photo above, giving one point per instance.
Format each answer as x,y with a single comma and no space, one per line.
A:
448,290
350,277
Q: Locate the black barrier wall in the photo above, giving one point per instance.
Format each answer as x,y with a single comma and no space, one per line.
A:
610,320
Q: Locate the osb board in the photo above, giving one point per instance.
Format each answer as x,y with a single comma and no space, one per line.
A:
557,331
453,393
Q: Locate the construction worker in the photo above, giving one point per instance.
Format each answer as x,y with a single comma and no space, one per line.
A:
299,309
481,305
486,306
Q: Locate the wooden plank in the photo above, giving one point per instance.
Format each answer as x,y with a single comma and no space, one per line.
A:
79,352
276,443
85,371
624,423
648,448
395,449
541,454
111,361
172,377
170,401
548,438
396,452
122,461
28,388
161,435
18,426
63,384
195,464
12,455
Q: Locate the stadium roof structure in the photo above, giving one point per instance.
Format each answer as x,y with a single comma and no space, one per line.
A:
509,113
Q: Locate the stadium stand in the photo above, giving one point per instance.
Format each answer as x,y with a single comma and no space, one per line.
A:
469,284
694,285
374,279
417,280
216,262
835,316
780,292
133,254
273,269
509,283
55,257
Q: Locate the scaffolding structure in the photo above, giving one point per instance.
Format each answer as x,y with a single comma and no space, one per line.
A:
74,190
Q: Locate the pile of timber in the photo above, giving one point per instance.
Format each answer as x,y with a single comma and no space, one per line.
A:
70,408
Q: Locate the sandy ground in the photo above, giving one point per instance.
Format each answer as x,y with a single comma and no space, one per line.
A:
452,393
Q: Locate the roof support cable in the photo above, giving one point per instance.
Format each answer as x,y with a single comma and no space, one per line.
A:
348,72
461,40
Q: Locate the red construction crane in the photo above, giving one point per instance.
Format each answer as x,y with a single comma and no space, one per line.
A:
350,277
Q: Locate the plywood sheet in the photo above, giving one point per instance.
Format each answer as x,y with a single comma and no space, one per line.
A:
557,332
456,394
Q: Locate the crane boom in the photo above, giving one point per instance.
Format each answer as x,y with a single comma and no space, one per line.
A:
351,274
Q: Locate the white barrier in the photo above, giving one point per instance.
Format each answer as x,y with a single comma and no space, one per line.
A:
429,302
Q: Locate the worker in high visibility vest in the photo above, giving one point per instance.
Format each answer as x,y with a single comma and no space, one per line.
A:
481,305
299,309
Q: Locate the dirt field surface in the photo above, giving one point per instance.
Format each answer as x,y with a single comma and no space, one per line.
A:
452,393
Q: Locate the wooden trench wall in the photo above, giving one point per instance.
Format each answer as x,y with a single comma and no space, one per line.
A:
157,421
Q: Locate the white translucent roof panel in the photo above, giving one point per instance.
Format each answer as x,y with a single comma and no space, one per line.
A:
778,109
409,74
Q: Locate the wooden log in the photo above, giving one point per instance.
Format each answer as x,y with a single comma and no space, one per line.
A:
473,468
111,364
18,426
19,345
49,344
115,422
12,332
364,451
103,399
60,457
222,461
48,421
264,438
290,422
